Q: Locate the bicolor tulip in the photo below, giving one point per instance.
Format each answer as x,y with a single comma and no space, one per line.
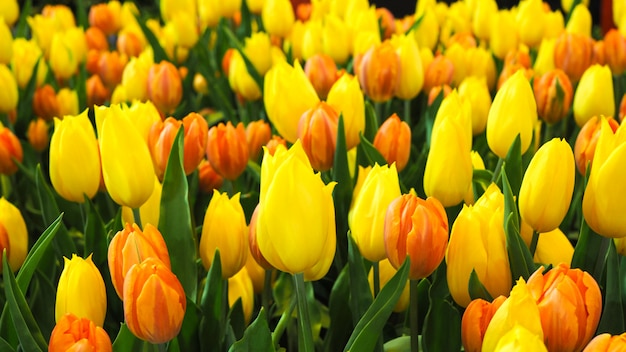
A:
393,141
573,53
321,70
379,72
553,94
317,130
164,86
227,149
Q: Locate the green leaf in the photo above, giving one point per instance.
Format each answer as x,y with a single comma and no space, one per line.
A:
5,346
612,319
513,165
430,115
81,14
28,332
157,50
371,122
24,105
126,341
211,306
415,24
341,324
368,330
258,79
442,327
188,337
371,153
257,336
476,288
95,235
360,294
175,220
342,194
22,24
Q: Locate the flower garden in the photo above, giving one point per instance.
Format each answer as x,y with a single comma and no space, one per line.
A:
267,175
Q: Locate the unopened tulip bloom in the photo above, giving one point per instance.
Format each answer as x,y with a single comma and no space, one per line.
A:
13,234
72,333
606,342
10,151
518,311
10,11
258,133
208,178
135,77
552,247
103,17
68,102
477,164
594,94
475,320
544,62
63,61
504,123
240,288
483,13
129,177
25,56
553,94
240,79
287,94
570,304
580,21
439,71
227,149
615,51
573,54
154,301
6,43
393,141
165,86
97,93
38,136
310,215
479,228
386,272
503,36
416,228
520,339
278,17
321,70
347,98
80,278
336,39
411,79
317,130
75,158
111,67
149,211
224,229
143,115
427,33
379,71
131,246
374,191
531,21
545,195
475,90
587,140
602,200
9,93
45,103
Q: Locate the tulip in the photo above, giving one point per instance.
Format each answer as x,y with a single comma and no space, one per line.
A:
9,93
318,132
97,93
130,42
311,39
258,133
227,149
129,177
580,21
63,61
594,95
347,98
606,342
615,51
520,339
379,71
277,17
479,228
573,54
312,213
150,211
544,62
257,48
13,234
154,301
373,193
274,143
475,90
10,11
553,94
38,136
553,247
255,6
143,116
419,229
240,288
475,320
164,86
6,43
25,56
393,141
336,40
135,77
208,178
68,102
518,311
531,21
96,39
386,272
411,79
224,228
570,304
427,33
504,123
45,103
72,333
477,164
587,140
545,196
102,17
240,79
169,8
503,36
10,151
255,252
81,278
602,200
321,70
74,158
440,71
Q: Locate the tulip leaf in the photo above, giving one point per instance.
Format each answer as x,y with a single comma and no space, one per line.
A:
5,346
430,115
188,338
415,24
371,153
211,304
360,294
95,235
157,50
28,333
476,288
24,104
175,220
442,327
342,194
257,336
126,341
81,14
22,24
258,79
50,211
612,319
341,324
371,122
367,332
513,166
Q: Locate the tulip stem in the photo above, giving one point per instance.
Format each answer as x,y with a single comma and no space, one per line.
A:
497,171
137,216
282,322
378,107
413,315
305,338
407,112
376,274
533,243
267,293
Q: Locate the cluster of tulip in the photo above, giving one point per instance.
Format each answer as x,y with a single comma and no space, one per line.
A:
232,161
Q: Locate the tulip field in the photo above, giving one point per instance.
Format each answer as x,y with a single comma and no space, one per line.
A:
276,175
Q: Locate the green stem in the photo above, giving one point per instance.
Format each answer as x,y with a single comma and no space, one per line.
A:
413,315
162,347
267,293
378,107
533,243
304,321
137,216
376,274
497,171
407,112
282,322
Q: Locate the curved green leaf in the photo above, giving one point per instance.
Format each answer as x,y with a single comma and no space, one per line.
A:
257,337
612,319
126,341
476,288
360,294
371,153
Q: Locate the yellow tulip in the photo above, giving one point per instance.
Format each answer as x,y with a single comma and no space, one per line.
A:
503,36
566,5
257,48
68,102
311,39
255,6
287,95
13,234
346,97
143,115
483,13
552,247
185,27
10,11
128,177
387,271
520,339
240,287
171,7
594,94
149,211
504,123
480,63
555,24
336,39
278,17
411,78
74,158
531,21
43,29
427,34
135,76
475,90
9,92
6,43
80,278
63,62
545,57
240,79
580,21
477,164
224,228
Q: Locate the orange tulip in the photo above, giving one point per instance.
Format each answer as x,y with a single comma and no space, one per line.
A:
208,178
439,72
587,139
110,67
130,43
45,103
255,252
475,321
436,90
622,109
97,93
321,70
96,39
102,17
132,246
38,135
606,342
78,334
274,143
615,51
227,149
393,141
378,71
417,228
10,149
573,54
165,87
570,304
554,94
317,130
258,133
154,301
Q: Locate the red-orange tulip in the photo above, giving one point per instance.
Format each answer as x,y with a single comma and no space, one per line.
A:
78,334
554,94
393,141
317,130
475,321
227,149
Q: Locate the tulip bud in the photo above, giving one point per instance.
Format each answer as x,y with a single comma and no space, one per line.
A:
427,33
224,228
477,164
130,42
615,51
278,17
393,141
594,94
580,21
78,334
74,158
572,45
208,178
347,98
165,86
386,272
240,79
10,151
25,56
240,287
284,174
13,234
96,39
150,211
587,140
553,93
9,93
545,196
570,304
318,132
476,319
68,102
378,71
152,287
110,67
504,36
37,134
373,193
135,77
274,143
552,247
81,278
10,11
419,229
63,62
97,93
411,79
6,43
439,72
227,149
45,103
531,21
101,17
475,90
321,70
336,39
258,133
